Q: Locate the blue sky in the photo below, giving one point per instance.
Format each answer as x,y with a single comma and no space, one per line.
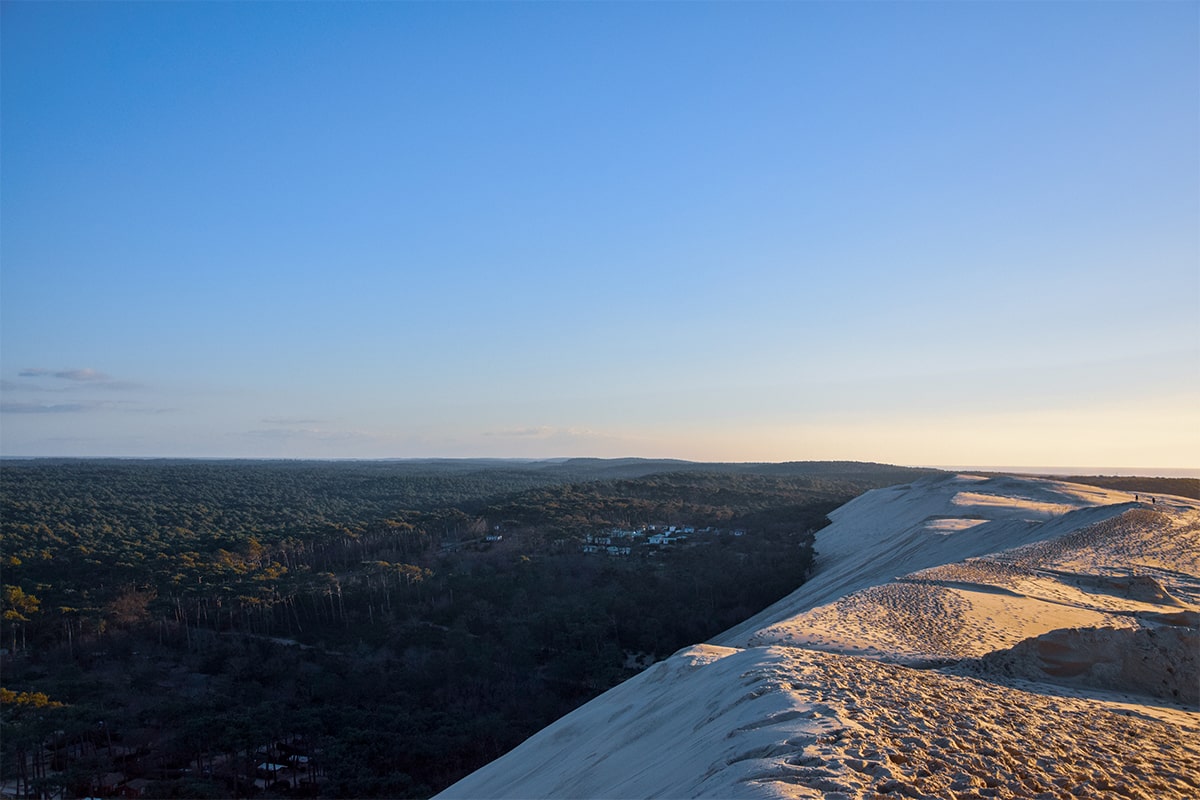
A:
919,233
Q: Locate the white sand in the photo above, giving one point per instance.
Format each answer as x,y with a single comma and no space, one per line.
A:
962,637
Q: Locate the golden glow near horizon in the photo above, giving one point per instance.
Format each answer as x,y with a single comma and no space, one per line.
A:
1154,434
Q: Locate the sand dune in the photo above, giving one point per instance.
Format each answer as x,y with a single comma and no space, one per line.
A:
962,637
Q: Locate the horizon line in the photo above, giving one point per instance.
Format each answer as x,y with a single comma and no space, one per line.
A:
1035,470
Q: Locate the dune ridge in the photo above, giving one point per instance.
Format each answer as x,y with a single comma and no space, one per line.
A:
961,637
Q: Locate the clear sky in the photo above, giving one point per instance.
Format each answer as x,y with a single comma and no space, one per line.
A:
920,233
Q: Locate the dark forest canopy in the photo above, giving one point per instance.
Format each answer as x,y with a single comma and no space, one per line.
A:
375,628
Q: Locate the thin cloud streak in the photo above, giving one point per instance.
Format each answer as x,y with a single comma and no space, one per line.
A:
310,434
549,432
47,408
87,374
122,406
539,431
75,378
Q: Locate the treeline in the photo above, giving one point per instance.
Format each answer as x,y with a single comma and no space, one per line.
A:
695,498
203,610
1182,487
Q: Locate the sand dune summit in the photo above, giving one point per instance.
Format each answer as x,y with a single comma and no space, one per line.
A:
962,637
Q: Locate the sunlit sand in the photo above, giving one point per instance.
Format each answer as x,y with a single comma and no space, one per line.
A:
961,638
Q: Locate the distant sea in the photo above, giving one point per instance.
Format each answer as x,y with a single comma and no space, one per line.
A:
1139,472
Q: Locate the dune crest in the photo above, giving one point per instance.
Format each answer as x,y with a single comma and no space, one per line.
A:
962,637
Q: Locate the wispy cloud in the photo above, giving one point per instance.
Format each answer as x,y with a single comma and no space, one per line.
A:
549,432
47,408
310,434
42,392
87,374
291,421
534,432
74,379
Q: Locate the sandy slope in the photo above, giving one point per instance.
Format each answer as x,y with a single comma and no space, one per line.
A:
962,637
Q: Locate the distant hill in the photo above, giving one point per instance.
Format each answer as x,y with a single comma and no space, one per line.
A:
855,471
